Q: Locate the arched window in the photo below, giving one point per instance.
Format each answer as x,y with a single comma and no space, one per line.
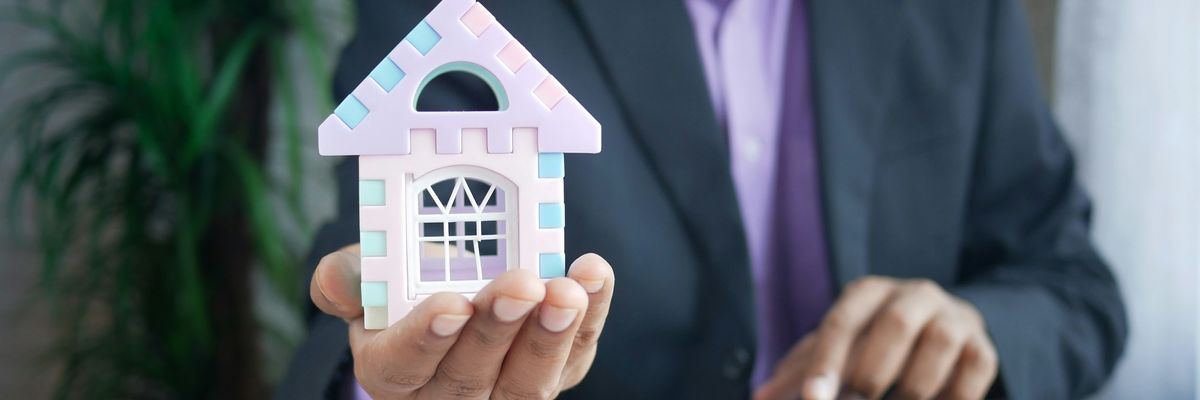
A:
457,91
461,77
464,232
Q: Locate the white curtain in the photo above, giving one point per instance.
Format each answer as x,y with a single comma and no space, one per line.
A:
1128,96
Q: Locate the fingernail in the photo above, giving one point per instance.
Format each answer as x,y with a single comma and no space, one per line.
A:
508,309
822,387
448,324
556,319
592,286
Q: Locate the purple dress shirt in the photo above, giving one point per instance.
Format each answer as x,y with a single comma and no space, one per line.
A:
756,61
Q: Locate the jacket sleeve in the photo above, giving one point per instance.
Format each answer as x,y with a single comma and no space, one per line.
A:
1051,303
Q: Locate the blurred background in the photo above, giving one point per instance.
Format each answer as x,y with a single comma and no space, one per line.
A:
160,185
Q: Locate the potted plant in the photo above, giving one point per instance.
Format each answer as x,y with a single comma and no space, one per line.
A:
144,154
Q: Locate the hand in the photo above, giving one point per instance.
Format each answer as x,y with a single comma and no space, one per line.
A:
519,338
909,336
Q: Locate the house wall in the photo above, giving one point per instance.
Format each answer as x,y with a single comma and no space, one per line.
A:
539,249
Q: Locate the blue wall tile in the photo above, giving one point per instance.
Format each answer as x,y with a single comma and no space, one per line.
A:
387,74
351,111
552,265
371,192
374,243
551,216
423,37
550,165
374,294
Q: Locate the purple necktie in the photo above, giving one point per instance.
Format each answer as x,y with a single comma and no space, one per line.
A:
797,288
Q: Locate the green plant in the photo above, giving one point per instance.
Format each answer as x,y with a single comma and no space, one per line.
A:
143,150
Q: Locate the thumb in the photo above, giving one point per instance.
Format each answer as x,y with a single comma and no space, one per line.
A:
335,287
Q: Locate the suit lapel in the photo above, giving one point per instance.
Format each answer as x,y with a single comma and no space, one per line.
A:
854,44
649,53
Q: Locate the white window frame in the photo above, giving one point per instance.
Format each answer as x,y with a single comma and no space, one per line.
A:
416,188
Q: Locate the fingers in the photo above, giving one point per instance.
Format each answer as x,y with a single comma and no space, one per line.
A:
448,346
892,334
788,375
836,335
819,375
908,336
398,361
933,358
472,365
335,284
975,370
534,364
596,277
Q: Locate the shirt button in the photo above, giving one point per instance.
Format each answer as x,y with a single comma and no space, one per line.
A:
737,363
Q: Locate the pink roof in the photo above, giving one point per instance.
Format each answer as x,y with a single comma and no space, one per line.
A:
379,114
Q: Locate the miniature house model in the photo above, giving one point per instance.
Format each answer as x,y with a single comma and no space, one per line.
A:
450,200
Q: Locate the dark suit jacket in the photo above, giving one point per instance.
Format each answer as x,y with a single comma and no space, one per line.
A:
939,159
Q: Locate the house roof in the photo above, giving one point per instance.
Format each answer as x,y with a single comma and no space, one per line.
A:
458,35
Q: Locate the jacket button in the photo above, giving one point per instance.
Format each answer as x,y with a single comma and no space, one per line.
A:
737,364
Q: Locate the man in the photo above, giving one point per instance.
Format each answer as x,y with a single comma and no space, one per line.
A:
800,199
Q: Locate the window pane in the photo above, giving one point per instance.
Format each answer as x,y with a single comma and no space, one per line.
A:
496,194
428,206
487,248
463,268
433,229
496,202
433,258
488,228
479,190
444,189
493,258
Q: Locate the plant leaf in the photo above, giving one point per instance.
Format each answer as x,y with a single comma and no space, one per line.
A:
227,79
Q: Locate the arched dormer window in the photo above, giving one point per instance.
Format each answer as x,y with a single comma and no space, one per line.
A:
462,77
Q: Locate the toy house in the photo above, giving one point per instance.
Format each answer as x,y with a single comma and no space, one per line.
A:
450,200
